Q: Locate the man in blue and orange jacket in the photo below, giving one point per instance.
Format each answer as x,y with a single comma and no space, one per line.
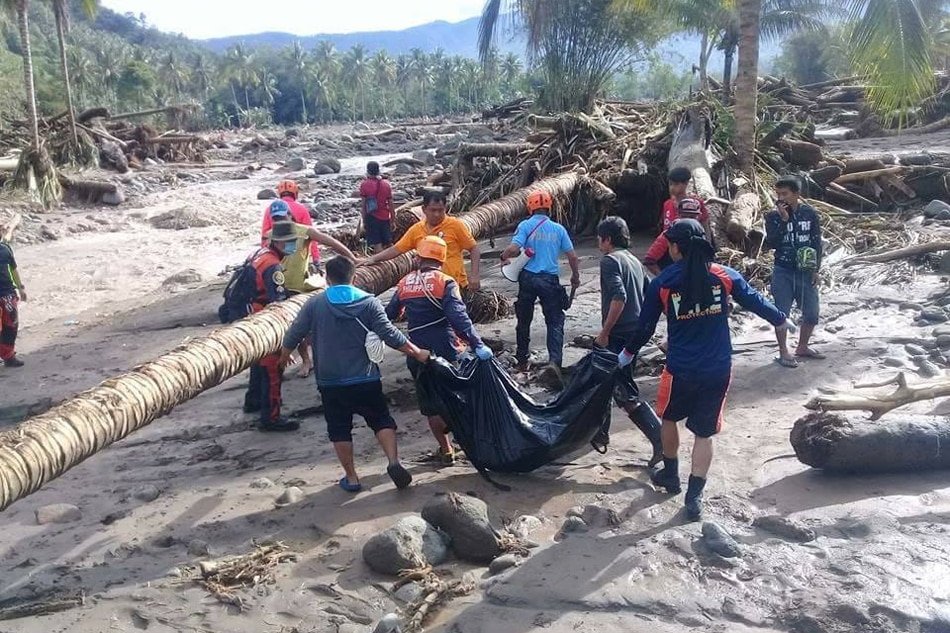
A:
694,294
435,314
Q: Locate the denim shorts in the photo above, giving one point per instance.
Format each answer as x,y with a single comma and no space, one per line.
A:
795,287
377,231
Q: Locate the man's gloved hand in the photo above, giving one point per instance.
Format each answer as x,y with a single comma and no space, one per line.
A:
483,352
624,358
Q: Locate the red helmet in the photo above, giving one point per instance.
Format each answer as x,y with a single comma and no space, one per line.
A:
539,200
287,186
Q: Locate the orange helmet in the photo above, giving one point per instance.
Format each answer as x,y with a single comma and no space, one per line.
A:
287,186
432,247
539,200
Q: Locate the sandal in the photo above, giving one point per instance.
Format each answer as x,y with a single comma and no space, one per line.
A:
400,476
790,363
346,485
810,353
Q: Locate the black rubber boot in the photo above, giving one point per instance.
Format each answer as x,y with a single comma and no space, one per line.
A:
668,477
645,419
13,361
694,498
281,424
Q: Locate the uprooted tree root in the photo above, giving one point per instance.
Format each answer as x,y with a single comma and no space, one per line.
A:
486,306
222,578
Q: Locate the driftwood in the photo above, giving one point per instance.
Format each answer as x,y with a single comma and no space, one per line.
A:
867,175
825,175
92,113
380,133
412,162
856,165
150,111
9,227
45,446
900,253
741,217
475,150
901,443
880,404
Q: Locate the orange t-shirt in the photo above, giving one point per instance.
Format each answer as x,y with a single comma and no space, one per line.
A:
457,237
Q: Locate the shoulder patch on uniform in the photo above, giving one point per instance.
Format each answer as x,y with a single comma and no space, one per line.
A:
278,278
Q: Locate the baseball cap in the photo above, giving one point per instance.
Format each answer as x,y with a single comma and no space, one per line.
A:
689,205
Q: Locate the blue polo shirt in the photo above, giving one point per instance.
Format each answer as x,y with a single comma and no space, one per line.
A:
548,242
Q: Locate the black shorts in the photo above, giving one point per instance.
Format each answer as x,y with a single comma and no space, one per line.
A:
365,399
698,399
428,403
377,231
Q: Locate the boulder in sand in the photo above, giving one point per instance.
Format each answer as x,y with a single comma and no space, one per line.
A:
409,544
113,198
266,194
58,513
720,541
296,163
935,207
465,520
424,156
325,164
402,169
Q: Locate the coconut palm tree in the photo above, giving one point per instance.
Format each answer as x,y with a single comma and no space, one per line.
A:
577,45
510,71
173,73
384,75
356,65
61,14
241,69
20,8
202,73
750,12
421,72
299,66
404,79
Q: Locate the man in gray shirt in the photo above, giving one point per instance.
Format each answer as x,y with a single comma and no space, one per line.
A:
339,321
623,283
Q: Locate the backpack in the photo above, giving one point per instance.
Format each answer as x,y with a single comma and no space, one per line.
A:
372,204
240,292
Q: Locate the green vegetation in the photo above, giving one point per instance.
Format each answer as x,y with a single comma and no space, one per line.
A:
123,64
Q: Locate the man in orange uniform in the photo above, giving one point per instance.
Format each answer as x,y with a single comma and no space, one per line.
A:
436,316
263,392
289,192
456,235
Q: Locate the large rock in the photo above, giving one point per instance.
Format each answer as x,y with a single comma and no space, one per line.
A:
425,156
720,541
409,544
934,208
465,520
113,198
402,169
296,164
58,513
266,194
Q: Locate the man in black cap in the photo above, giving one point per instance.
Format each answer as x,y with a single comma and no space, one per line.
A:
693,292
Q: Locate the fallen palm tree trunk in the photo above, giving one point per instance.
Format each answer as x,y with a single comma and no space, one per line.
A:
900,253
474,150
902,443
44,447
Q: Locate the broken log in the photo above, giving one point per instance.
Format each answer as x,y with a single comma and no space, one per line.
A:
780,130
46,446
412,162
150,111
824,176
802,153
92,113
830,83
741,216
865,175
837,192
856,165
475,150
902,443
8,228
900,253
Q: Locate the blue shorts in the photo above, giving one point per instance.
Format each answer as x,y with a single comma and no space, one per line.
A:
378,231
795,286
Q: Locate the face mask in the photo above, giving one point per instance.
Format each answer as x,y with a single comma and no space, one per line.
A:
290,248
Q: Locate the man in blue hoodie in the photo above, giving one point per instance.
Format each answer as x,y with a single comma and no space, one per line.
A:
340,321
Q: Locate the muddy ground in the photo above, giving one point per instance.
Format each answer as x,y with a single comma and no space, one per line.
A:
202,483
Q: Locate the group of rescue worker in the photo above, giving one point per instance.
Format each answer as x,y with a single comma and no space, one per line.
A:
347,328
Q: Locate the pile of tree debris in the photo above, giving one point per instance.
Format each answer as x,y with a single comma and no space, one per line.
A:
108,140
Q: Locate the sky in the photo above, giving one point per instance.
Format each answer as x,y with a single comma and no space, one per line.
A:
204,19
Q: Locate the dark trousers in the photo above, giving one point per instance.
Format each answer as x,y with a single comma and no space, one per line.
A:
9,325
627,397
546,288
263,390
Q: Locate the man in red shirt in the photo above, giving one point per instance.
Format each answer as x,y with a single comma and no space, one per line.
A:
679,178
658,257
289,192
377,196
